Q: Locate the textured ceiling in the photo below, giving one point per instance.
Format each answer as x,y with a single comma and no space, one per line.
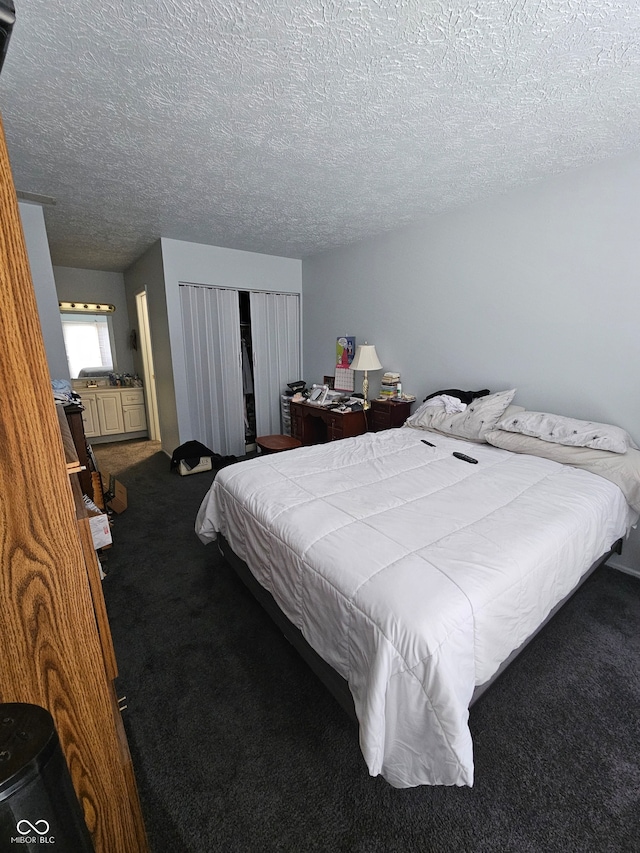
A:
293,126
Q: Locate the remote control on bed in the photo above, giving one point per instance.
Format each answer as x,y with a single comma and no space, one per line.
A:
465,458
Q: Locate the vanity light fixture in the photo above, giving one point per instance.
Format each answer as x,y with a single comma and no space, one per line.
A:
103,307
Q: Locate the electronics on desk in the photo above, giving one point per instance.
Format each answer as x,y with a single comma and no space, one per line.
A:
318,395
348,404
334,397
322,395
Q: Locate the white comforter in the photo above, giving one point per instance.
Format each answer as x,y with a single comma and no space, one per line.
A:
414,574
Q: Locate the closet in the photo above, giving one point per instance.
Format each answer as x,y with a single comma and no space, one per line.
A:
241,349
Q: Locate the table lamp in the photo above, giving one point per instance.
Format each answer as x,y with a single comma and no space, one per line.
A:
366,359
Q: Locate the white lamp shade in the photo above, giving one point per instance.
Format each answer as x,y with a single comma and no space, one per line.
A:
366,358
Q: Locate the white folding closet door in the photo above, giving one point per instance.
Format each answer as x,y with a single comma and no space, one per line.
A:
211,329
275,333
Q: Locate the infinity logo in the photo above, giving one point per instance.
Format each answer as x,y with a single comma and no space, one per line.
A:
30,827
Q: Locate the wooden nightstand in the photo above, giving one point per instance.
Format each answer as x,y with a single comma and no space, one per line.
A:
386,414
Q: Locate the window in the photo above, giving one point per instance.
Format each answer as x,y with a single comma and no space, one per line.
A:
88,342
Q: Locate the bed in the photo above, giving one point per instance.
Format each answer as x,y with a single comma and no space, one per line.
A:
413,576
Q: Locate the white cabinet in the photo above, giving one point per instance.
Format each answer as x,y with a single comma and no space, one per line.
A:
90,415
110,413
113,411
133,410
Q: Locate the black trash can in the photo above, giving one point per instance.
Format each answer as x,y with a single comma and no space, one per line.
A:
39,809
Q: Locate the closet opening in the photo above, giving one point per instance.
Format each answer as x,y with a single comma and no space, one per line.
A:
241,348
247,372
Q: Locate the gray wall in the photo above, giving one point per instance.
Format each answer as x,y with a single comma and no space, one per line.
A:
536,290
35,236
80,285
147,274
52,284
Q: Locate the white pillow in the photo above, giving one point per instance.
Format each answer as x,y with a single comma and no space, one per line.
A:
623,469
480,416
512,410
568,431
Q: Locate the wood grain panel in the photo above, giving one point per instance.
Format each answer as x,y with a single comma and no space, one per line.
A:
99,608
51,651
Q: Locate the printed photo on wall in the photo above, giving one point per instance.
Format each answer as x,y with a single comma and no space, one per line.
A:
345,350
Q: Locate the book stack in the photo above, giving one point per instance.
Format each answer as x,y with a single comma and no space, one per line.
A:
389,386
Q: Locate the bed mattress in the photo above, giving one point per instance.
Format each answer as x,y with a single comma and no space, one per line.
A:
413,573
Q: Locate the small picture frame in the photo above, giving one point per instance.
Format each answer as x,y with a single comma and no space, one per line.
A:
329,382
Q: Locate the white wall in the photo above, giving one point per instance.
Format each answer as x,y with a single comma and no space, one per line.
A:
35,236
537,290
80,285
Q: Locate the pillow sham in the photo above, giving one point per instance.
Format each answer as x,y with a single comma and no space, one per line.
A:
569,431
512,410
623,469
481,415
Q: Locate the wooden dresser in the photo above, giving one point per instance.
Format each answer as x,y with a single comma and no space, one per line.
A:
55,643
317,425
76,427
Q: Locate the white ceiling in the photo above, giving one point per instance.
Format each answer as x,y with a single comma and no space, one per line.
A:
293,126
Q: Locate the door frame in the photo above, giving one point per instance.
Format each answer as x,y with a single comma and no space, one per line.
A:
148,371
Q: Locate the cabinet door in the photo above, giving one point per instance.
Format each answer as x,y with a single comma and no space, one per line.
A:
135,418
110,414
352,423
90,415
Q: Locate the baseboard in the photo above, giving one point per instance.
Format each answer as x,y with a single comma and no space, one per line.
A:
614,563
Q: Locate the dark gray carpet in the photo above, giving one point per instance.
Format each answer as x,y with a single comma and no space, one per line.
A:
237,747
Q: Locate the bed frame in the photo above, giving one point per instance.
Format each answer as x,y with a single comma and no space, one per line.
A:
334,682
